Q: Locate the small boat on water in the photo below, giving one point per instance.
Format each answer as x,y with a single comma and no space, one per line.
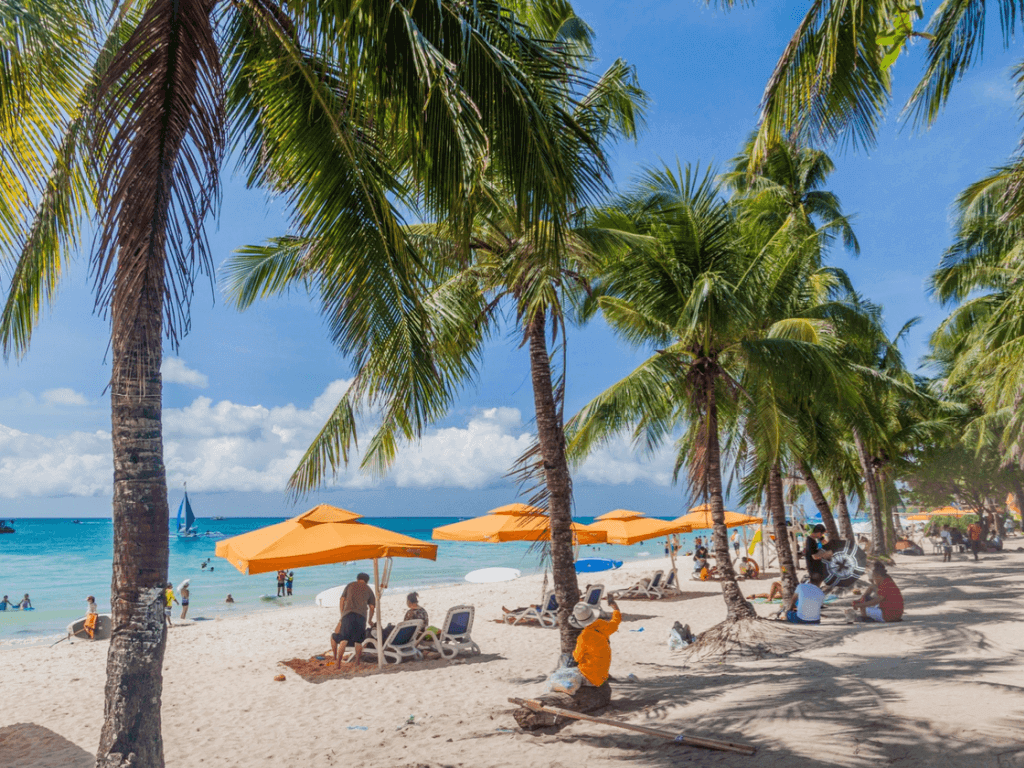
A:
5,528
186,529
217,517
77,522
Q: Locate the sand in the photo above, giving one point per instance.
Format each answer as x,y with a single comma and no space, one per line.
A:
941,688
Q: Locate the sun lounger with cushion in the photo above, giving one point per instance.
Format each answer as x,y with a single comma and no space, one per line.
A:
545,614
400,644
649,588
454,635
592,596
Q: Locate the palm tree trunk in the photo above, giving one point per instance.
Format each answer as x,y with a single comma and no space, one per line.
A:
871,487
845,524
131,732
819,500
551,437
736,605
777,505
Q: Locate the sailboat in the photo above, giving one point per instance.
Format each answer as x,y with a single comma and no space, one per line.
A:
186,528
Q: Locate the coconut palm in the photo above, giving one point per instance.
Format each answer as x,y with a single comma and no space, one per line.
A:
534,268
698,297
833,81
350,111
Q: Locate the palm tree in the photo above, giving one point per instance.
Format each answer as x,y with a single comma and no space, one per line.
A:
349,111
697,297
537,266
833,81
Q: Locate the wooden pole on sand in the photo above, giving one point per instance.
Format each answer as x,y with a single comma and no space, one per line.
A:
692,741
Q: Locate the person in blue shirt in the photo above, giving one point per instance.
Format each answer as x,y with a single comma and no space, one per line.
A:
5,603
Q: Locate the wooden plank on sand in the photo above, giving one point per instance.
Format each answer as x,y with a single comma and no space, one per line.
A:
693,741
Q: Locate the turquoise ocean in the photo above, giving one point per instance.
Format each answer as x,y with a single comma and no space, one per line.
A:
59,563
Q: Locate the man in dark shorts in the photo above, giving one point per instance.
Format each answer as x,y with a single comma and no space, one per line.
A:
815,554
356,606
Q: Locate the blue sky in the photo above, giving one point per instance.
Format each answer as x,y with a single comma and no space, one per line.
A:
249,389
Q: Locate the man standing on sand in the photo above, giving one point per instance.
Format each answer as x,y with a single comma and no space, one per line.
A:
356,607
947,544
815,553
280,583
974,535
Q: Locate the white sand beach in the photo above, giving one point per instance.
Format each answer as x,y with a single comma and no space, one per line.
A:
941,688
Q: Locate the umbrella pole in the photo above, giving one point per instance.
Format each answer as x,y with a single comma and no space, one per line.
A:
380,627
672,557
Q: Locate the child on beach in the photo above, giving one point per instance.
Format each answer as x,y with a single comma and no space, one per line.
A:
168,599
288,582
5,603
25,604
90,616
947,544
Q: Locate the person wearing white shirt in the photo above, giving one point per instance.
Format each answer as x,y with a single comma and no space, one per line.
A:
947,544
805,605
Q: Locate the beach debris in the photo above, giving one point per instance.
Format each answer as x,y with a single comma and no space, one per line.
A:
586,699
279,678
631,678
679,738
358,728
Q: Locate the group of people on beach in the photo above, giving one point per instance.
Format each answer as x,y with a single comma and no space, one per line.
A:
285,579
357,605
24,605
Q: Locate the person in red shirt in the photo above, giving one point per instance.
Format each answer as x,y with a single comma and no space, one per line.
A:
884,601
974,533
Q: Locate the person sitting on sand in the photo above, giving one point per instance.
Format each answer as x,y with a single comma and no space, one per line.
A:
356,606
593,651
882,602
5,603
749,569
90,617
25,604
805,605
229,598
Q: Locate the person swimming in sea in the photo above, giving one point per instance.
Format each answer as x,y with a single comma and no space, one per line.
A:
229,599
26,604
5,604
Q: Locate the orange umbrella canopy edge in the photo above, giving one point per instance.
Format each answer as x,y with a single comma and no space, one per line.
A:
321,536
513,522
700,518
626,527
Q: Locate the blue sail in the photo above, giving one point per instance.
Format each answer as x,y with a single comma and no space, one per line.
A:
190,519
178,526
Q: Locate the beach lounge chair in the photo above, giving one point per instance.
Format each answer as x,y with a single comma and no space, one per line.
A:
592,596
671,585
400,644
545,614
454,635
650,589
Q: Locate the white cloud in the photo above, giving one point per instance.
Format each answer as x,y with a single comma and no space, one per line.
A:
175,371
64,396
226,446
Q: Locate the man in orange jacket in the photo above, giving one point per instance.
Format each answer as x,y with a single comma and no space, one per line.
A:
593,649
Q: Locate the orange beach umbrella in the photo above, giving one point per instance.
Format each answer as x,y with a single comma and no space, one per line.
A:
321,536
623,526
699,518
951,512
512,522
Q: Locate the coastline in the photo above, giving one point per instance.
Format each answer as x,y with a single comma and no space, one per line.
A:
853,695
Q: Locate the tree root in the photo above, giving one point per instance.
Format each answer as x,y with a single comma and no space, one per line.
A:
747,639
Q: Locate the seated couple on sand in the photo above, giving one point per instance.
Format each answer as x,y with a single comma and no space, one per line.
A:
357,604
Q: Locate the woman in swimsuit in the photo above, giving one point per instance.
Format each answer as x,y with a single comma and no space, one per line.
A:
184,598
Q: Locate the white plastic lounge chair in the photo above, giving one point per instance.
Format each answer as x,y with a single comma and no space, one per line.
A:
671,585
400,644
454,636
592,596
545,614
650,589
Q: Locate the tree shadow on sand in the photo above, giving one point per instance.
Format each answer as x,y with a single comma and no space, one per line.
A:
27,745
